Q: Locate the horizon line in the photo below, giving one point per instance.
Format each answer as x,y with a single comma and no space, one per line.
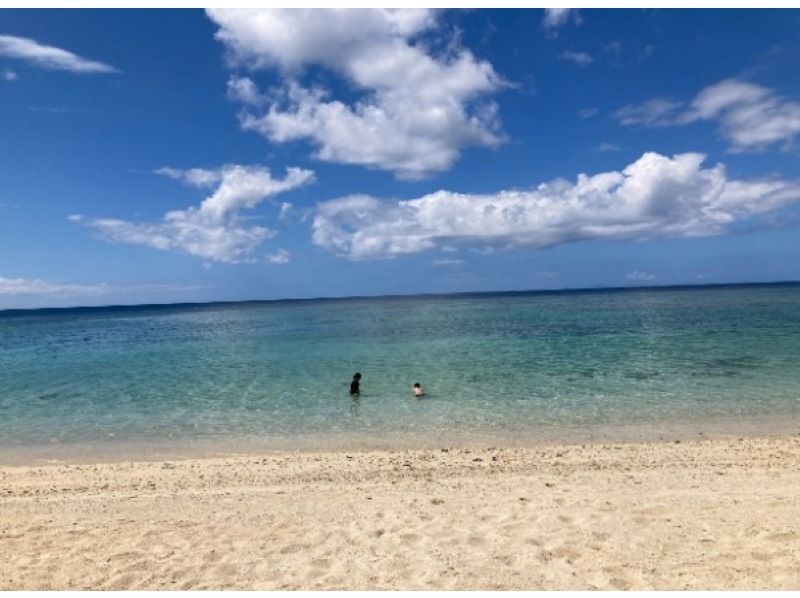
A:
686,286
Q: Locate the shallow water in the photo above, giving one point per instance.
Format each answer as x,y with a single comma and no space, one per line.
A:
492,365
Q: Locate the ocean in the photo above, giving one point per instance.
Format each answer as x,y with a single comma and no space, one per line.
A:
502,367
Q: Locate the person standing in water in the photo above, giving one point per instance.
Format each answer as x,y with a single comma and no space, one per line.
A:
417,390
355,388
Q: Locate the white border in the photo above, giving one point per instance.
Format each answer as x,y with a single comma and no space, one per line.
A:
718,4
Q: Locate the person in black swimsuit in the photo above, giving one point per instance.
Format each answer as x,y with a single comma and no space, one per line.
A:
354,385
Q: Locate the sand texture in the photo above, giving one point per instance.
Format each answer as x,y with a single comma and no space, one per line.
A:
712,514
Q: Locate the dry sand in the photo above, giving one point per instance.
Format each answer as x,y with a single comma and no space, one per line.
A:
713,514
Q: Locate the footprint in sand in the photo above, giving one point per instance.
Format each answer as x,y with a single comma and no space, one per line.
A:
565,553
321,563
783,537
761,556
189,585
226,570
619,583
409,538
123,581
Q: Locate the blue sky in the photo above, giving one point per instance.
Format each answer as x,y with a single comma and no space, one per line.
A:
162,156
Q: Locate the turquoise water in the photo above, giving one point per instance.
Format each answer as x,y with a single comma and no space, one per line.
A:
491,364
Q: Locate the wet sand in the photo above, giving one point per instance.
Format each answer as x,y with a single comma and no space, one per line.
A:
721,513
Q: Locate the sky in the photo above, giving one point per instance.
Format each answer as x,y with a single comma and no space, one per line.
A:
159,156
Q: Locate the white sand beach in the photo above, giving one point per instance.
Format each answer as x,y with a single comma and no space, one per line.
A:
709,514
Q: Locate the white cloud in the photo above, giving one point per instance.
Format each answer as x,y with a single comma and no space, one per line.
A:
34,286
580,58
9,75
715,99
607,147
446,262
652,113
588,112
49,57
286,208
291,39
245,91
639,276
49,109
416,111
216,229
655,196
555,18
280,257
751,117
196,177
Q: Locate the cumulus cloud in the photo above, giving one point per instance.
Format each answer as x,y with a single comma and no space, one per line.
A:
555,18
416,110
216,229
751,117
588,112
196,177
242,89
655,196
580,58
49,57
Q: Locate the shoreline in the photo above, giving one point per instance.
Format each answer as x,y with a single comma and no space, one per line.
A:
717,513
115,450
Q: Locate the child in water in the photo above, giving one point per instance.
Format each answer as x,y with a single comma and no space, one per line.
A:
417,390
355,384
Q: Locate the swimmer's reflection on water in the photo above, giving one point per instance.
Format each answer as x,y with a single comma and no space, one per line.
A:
355,406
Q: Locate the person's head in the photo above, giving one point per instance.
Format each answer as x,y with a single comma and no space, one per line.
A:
417,385
357,376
